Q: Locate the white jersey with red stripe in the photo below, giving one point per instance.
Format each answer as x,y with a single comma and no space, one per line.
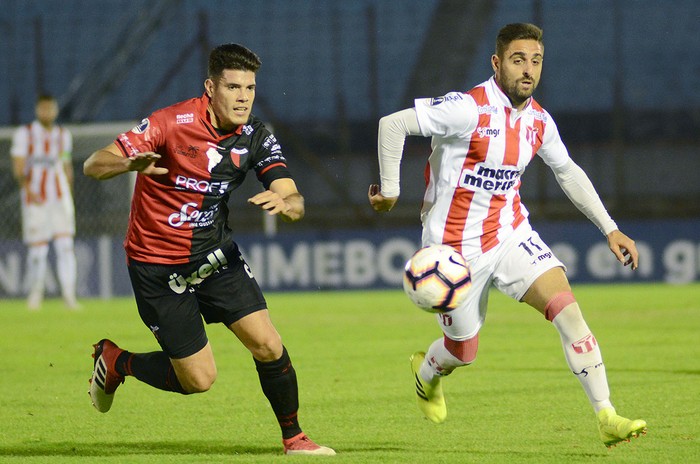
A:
44,152
50,213
481,146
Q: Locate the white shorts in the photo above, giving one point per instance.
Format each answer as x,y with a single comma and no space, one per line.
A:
511,266
46,221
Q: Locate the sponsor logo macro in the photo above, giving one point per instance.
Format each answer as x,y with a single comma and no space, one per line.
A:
185,118
200,185
270,143
445,98
487,109
191,151
190,216
216,259
487,132
489,179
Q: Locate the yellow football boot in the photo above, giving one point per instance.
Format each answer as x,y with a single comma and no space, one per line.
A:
614,428
428,395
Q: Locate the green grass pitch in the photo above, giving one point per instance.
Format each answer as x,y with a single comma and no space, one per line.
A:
518,403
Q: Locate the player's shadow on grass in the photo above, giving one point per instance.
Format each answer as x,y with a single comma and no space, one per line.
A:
145,448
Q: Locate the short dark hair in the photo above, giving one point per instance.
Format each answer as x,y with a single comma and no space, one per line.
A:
232,56
516,31
45,97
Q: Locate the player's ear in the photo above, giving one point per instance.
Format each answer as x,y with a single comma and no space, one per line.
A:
495,62
209,87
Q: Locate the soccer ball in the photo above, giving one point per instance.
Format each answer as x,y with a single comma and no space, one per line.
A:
437,278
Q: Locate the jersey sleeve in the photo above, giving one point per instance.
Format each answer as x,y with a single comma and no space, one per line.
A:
148,135
270,163
20,143
450,115
553,151
66,144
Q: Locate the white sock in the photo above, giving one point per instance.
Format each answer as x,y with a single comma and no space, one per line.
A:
438,362
583,355
66,266
37,258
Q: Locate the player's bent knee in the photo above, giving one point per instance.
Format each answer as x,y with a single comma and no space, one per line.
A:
267,350
198,383
196,373
464,350
259,336
557,303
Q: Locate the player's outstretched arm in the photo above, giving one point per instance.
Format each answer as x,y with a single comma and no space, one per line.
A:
624,248
575,183
282,198
109,162
391,135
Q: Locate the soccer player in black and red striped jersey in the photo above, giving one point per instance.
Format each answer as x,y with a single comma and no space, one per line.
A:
183,264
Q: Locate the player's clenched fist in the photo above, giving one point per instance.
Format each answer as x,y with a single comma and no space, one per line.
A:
378,201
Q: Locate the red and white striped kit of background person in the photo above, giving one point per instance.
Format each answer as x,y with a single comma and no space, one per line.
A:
41,155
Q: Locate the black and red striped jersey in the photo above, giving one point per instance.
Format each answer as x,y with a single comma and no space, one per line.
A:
183,215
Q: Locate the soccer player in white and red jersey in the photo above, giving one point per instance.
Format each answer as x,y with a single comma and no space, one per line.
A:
41,162
482,141
182,261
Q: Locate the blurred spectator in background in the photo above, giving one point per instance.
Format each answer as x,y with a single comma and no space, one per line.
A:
41,161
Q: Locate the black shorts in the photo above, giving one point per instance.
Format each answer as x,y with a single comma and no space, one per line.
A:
173,299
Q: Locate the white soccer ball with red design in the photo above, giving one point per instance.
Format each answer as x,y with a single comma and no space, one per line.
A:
437,278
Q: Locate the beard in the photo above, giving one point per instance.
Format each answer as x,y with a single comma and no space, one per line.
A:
515,93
